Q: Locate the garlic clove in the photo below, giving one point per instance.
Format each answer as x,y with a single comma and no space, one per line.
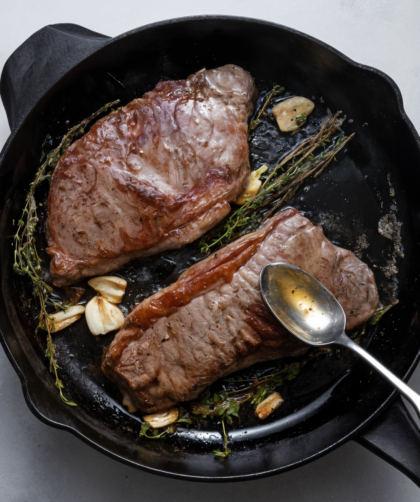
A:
112,288
103,316
61,320
254,185
250,191
162,419
292,113
266,407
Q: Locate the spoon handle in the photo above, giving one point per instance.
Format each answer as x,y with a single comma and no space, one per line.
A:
405,390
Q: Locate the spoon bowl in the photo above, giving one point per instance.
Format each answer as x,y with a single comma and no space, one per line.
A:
302,304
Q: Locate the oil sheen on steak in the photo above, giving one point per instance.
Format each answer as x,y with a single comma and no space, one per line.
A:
153,175
212,321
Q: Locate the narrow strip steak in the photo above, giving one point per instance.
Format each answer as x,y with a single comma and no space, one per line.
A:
212,321
153,175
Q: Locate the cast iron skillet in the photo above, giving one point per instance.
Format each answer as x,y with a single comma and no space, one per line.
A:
65,72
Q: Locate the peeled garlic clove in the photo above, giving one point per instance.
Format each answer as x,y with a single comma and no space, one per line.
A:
250,191
162,419
254,185
266,407
110,287
103,316
62,319
287,111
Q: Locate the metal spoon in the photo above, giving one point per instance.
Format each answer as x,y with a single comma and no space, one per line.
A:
311,313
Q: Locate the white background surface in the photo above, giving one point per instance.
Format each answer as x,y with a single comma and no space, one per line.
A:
38,463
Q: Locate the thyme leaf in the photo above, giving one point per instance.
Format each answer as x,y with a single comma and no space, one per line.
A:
377,316
26,258
149,432
301,119
379,313
184,417
254,123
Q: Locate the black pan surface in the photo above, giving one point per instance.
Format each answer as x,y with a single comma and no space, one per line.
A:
378,174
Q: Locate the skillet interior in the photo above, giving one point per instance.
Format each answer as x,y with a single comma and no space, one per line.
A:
356,189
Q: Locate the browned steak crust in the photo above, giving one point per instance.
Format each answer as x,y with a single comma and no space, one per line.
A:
213,322
152,175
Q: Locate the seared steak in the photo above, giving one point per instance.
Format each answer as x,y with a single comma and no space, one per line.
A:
153,175
213,322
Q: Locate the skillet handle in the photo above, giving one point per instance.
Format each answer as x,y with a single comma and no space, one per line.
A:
395,438
40,62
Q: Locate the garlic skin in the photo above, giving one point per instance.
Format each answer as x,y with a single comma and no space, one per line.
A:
162,419
103,316
112,288
62,319
270,403
254,185
286,112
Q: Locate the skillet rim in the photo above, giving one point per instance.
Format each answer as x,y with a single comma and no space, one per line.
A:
24,380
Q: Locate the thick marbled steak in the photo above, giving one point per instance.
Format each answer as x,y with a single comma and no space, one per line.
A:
153,175
213,321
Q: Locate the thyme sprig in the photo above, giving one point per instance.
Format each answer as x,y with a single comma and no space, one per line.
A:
281,185
275,91
227,450
226,405
27,261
